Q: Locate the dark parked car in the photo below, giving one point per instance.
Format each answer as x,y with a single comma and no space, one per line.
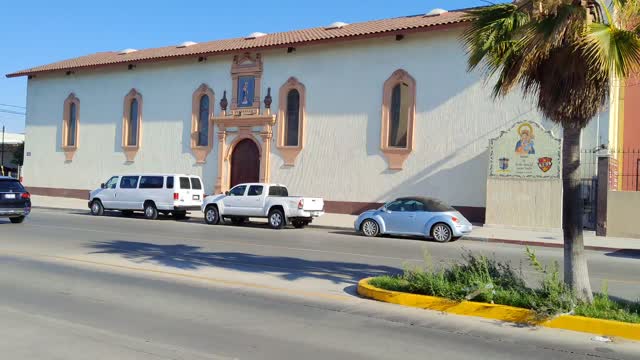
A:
15,201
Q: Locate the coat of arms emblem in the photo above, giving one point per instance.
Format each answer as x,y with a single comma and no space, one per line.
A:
503,163
545,163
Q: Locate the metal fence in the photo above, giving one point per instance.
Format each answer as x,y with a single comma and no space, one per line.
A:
589,187
626,169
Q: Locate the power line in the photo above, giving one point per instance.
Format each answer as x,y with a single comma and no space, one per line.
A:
15,106
11,112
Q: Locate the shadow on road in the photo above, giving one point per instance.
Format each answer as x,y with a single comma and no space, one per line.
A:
189,257
625,253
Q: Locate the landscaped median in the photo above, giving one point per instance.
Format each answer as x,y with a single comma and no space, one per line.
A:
489,289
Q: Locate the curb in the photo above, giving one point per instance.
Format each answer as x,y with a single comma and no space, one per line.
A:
501,312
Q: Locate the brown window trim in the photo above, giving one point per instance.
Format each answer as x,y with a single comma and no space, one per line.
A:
396,156
130,151
69,151
201,152
290,153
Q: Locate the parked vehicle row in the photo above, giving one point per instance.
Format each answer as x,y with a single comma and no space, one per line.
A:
175,194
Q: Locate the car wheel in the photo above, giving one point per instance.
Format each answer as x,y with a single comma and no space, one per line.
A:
441,233
211,215
96,208
276,219
299,224
127,213
150,211
370,228
17,220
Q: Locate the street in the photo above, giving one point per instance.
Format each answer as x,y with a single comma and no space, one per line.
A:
76,286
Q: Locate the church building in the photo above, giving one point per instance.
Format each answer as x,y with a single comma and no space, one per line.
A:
357,114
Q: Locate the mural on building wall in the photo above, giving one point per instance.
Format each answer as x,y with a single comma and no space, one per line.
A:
246,90
526,150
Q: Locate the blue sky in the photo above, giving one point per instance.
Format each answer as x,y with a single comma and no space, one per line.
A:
37,32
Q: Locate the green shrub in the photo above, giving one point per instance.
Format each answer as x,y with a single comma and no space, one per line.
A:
481,279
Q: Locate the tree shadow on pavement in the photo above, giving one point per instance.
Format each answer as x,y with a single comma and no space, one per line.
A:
189,257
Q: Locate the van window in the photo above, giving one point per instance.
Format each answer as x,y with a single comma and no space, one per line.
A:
255,190
151,182
169,182
278,191
184,183
129,182
111,184
196,184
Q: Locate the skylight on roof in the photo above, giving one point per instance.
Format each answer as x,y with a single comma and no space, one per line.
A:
126,51
436,12
186,44
336,25
254,35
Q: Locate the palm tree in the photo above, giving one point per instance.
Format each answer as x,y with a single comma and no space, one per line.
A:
565,54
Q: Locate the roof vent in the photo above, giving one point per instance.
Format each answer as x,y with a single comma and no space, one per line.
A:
126,51
254,35
336,25
186,44
436,12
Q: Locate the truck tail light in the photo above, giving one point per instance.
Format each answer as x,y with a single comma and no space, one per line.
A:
176,196
301,204
25,196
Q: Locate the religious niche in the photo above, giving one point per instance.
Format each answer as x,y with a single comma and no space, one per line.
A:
246,75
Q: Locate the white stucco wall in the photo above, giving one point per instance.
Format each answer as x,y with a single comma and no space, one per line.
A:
341,160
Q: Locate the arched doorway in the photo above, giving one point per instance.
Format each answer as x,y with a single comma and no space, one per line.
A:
245,163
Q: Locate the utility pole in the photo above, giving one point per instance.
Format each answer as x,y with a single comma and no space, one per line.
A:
2,161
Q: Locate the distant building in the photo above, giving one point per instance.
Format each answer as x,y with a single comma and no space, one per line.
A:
356,113
12,142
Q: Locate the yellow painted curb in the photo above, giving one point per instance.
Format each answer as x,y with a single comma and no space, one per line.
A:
500,312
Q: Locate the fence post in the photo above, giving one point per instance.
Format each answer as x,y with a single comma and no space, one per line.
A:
607,175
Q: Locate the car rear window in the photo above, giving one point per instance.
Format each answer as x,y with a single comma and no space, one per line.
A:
169,182
129,182
196,184
433,205
278,191
151,182
10,185
184,183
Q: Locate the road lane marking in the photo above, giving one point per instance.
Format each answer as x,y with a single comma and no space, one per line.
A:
303,293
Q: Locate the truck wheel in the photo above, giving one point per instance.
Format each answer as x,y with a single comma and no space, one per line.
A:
276,219
211,215
17,220
96,208
150,211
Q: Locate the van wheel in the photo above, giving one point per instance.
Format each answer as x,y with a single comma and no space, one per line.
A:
441,233
276,219
150,211
17,220
96,208
211,215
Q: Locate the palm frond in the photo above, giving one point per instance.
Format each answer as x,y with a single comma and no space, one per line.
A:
610,49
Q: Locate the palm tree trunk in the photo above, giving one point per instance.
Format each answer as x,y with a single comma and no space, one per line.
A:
576,274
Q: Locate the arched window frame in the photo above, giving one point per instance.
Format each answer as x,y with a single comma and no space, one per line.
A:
201,152
290,153
130,151
396,156
70,150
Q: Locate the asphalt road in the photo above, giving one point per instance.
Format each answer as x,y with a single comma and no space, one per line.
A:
75,287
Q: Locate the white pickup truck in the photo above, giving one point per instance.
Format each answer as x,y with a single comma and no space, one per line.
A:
271,201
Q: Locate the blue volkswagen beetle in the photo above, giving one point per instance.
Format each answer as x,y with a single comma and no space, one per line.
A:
422,216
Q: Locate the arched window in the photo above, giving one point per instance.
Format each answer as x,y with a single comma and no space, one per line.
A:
292,132
132,124
202,106
203,121
398,118
291,120
70,126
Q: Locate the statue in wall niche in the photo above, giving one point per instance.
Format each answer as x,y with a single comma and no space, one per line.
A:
245,93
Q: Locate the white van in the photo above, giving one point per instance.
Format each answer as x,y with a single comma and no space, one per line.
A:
151,193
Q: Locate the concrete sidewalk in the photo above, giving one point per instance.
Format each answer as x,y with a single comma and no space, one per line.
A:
480,233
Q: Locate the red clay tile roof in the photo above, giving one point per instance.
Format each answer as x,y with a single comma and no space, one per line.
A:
282,39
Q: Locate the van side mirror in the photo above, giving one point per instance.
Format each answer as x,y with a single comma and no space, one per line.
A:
103,186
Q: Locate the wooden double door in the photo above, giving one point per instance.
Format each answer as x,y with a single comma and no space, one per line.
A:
245,163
